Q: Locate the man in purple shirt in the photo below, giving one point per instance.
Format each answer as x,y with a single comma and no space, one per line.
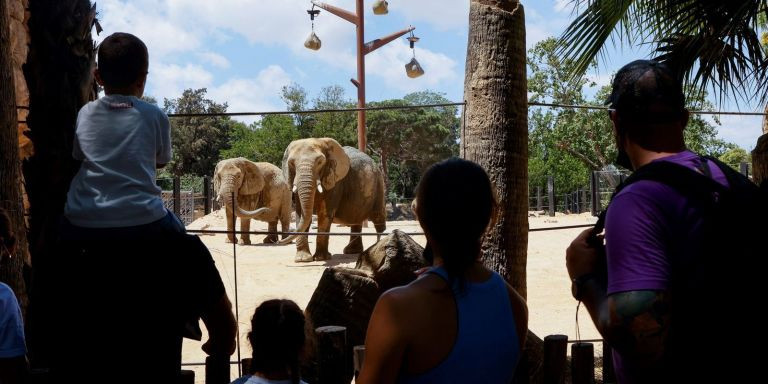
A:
650,228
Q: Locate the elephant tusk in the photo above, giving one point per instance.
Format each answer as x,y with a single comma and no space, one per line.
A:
295,188
319,187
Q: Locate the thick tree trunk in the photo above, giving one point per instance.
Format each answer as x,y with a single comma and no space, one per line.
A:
496,131
760,154
11,272
59,74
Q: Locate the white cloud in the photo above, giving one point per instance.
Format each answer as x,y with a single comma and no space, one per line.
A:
389,62
170,80
258,94
564,6
741,130
443,15
214,59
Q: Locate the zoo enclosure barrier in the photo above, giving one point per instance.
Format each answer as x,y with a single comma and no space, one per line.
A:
592,198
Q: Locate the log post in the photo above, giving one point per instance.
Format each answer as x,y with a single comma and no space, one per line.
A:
177,195
217,370
358,355
551,195
609,375
206,195
582,363
555,352
331,355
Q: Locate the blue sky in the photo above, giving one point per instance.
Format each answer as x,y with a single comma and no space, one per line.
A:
244,51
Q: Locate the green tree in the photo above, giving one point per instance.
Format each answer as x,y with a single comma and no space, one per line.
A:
341,126
197,141
734,156
263,140
408,141
295,98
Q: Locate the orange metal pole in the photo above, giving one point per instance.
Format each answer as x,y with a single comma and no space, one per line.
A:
361,75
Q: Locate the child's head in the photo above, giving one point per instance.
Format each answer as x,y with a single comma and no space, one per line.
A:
455,204
277,337
123,63
7,238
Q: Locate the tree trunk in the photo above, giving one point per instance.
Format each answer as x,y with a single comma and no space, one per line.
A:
59,74
495,134
11,272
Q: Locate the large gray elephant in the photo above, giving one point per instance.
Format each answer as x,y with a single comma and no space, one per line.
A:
340,185
260,191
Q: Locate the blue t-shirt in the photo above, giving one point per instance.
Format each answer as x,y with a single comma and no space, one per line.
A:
11,325
121,140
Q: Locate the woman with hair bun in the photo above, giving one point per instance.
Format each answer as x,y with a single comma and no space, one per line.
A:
459,322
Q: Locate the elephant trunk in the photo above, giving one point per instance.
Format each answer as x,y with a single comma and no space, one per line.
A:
305,186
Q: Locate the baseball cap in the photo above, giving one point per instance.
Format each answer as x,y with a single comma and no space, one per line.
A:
647,91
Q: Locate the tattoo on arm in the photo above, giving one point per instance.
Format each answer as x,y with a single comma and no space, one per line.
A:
636,323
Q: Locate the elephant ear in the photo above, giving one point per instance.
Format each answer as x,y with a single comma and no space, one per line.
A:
286,169
216,182
253,179
337,164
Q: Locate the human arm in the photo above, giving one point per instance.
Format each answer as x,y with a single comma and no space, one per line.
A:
164,152
635,323
385,342
520,313
222,328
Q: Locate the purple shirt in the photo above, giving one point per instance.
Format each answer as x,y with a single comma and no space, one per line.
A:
640,223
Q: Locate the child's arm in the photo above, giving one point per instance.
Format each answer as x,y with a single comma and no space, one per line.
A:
163,155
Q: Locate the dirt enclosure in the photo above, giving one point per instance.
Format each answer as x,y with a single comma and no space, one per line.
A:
268,271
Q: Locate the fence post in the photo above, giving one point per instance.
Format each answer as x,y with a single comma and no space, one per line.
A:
744,169
538,199
358,356
609,375
582,363
551,195
331,355
186,377
584,200
594,189
577,201
217,370
177,195
206,195
567,206
555,351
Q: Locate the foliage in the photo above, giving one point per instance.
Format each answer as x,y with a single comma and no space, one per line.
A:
711,42
341,126
295,98
264,140
197,141
735,156
407,141
569,143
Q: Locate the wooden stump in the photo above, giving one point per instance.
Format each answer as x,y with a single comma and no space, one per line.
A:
217,370
583,363
332,355
555,352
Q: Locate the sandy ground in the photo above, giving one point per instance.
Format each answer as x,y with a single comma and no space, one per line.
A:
268,271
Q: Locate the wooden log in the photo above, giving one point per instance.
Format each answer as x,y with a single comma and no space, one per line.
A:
582,363
217,370
245,366
331,355
609,374
555,351
358,356
551,195
186,377
177,195
207,195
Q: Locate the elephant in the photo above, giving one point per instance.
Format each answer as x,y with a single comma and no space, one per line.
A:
340,185
260,191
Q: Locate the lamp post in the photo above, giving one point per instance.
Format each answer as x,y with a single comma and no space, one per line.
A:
363,48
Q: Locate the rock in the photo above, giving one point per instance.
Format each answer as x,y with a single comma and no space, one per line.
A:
392,260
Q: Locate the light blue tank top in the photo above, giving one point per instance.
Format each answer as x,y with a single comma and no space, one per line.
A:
487,347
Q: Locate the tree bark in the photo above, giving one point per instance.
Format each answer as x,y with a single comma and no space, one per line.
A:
59,74
495,134
11,272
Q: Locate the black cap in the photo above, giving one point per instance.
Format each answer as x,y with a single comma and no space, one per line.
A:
647,91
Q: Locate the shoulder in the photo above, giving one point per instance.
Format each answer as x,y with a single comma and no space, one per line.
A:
150,111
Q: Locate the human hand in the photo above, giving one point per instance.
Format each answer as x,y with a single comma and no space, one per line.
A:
421,271
585,255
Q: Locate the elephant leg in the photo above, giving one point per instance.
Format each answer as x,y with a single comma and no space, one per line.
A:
380,227
302,250
272,237
323,225
355,240
285,226
245,227
230,226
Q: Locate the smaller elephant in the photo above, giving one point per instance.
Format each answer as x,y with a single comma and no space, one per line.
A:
260,193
